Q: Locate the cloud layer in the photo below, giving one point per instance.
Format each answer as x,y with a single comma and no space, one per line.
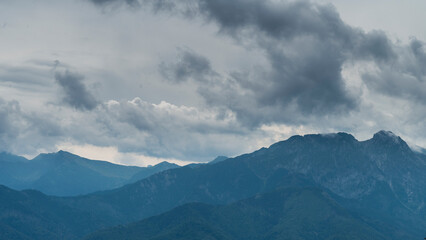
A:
307,46
75,92
194,79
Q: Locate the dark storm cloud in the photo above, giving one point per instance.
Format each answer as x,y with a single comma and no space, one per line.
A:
405,76
75,92
307,46
311,80
188,65
374,45
286,21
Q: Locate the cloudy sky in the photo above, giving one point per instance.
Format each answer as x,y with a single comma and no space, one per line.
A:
141,81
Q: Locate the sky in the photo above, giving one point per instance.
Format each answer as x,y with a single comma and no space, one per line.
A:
137,82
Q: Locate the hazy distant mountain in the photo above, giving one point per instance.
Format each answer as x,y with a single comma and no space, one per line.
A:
66,174
291,213
218,159
380,182
148,171
32,215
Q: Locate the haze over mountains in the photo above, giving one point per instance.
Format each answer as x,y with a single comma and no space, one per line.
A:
316,186
66,174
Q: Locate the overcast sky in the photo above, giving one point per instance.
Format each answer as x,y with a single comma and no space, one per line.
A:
141,81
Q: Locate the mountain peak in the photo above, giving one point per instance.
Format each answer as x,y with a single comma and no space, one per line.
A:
8,157
164,164
59,155
340,136
62,152
384,133
387,136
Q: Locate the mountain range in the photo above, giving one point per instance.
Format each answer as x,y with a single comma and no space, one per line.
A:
289,213
66,174
318,186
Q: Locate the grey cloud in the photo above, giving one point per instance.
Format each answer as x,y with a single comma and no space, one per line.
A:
188,65
21,131
312,79
162,130
278,20
75,92
405,76
287,21
25,77
132,3
156,6
167,130
417,65
41,125
150,117
374,45
307,46
9,122
138,114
